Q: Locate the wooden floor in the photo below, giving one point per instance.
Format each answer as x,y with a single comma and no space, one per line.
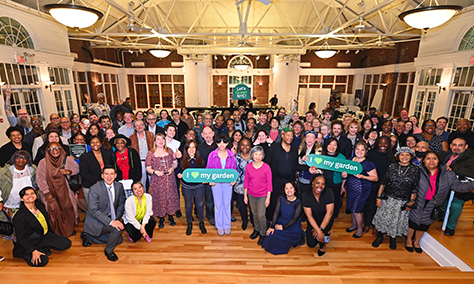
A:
173,257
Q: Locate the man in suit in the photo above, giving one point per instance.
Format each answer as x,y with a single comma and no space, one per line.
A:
345,145
106,206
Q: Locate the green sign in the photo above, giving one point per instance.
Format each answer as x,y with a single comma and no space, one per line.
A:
241,92
210,175
334,164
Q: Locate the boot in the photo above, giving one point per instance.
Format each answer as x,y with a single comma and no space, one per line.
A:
393,243
161,224
202,228
378,240
189,230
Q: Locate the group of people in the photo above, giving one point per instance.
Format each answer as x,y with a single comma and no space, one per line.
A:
132,172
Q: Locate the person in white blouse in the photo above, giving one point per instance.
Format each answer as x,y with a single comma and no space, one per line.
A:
138,218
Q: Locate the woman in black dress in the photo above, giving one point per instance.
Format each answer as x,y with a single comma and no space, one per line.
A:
16,143
35,237
399,188
318,205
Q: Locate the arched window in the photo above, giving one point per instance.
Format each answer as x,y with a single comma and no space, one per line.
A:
240,60
12,33
467,41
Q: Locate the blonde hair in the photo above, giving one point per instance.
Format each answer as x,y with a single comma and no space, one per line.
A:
154,142
353,121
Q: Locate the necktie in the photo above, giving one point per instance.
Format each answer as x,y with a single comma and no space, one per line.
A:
111,203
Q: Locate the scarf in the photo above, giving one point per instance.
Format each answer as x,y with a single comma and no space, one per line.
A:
141,209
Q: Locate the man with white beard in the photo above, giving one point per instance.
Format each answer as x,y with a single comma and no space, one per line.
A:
23,120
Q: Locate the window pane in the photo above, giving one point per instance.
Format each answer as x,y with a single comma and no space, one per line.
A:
140,78
154,94
368,79
9,71
328,79
16,73
113,78
108,94
106,78
315,79
81,76
179,95
341,79
23,74
303,79
153,78
403,78
165,78
142,101
35,74
470,76
66,76
3,74
178,78
167,95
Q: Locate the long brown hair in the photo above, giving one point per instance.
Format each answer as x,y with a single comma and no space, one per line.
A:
185,160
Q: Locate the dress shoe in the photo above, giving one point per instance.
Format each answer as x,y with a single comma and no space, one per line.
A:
161,224
85,240
260,240
220,232
227,231
349,230
179,214
111,256
320,252
189,230
212,222
449,232
232,218
172,221
202,228
254,235
418,250
409,249
366,229
244,226
355,236
302,240
393,243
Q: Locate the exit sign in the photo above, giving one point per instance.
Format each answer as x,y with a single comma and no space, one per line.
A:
472,60
20,59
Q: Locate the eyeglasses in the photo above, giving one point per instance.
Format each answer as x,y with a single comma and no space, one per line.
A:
21,157
430,125
57,148
221,140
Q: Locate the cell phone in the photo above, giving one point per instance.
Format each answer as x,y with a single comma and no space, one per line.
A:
165,173
326,239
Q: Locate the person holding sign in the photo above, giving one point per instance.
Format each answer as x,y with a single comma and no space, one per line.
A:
257,191
398,190
358,188
222,158
192,159
334,180
160,164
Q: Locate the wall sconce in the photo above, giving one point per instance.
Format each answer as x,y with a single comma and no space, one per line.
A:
441,87
220,83
2,83
48,84
260,83
98,83
384,84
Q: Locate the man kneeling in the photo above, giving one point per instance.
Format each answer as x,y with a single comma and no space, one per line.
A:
106,205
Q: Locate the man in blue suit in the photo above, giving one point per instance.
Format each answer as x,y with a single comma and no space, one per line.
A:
106,206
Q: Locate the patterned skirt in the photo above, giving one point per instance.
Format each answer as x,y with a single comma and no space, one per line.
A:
390,219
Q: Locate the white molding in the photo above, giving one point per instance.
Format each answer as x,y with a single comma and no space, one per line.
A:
443,256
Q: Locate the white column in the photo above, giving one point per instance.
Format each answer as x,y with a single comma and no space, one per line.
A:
198,80
285,81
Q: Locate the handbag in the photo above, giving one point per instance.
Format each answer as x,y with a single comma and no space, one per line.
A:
74,181
438,212
6,228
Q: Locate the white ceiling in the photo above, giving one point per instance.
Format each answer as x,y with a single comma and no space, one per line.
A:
221,26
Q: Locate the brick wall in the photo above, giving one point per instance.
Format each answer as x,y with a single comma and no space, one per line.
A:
261,63
219,92
261,91
150,60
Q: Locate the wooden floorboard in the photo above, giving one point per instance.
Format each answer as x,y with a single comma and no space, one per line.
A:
173,257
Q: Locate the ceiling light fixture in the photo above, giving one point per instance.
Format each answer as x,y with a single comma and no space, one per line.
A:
215,57
72,15
258,57
325,51
223,57
241,64
357,51
429,17
160,51
347,51
268,57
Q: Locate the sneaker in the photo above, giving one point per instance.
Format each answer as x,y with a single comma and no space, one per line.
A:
254,235
220,232
227,231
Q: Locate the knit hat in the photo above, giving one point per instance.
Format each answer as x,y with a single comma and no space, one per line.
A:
404,149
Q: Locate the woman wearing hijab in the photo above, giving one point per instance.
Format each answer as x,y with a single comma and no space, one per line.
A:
59,200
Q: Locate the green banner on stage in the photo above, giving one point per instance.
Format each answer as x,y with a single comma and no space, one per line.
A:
334,164
241,92
210,175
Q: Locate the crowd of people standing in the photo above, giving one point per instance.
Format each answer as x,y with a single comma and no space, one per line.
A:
132,168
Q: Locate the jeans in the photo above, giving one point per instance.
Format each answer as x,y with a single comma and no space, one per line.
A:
208,196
